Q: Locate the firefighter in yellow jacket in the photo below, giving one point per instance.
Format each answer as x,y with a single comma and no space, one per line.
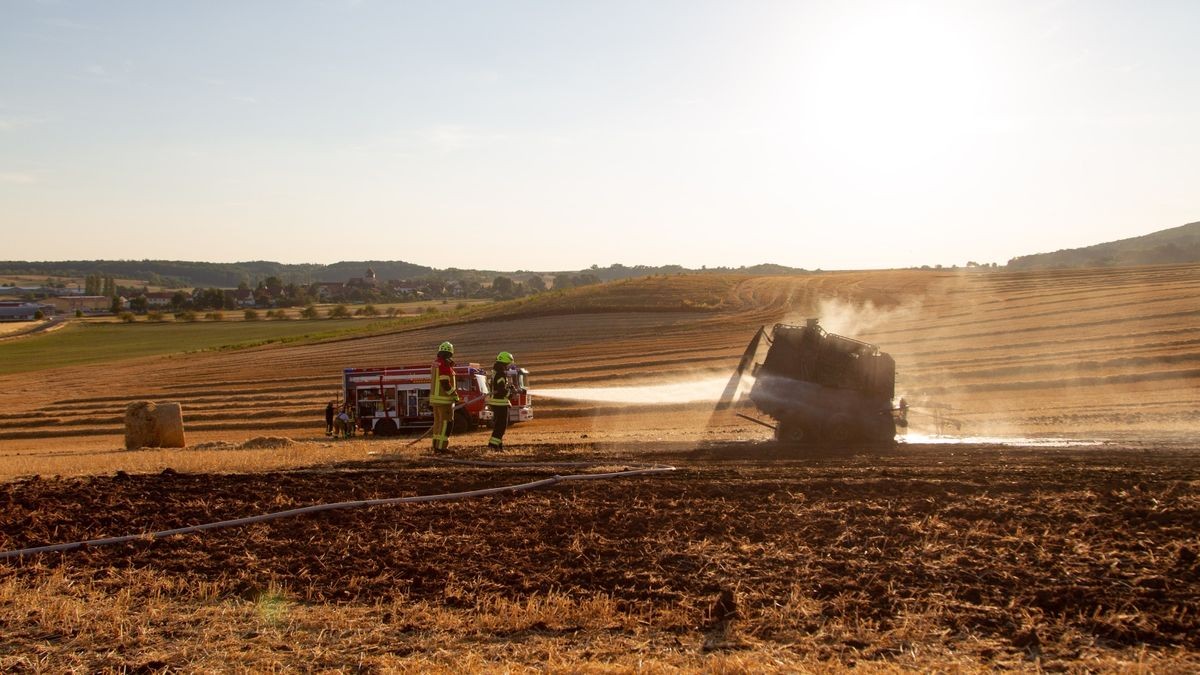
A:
498,399
443,395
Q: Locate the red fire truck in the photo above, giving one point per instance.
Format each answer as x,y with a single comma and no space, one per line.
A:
388,400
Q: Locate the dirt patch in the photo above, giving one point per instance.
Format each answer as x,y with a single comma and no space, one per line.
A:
1032,550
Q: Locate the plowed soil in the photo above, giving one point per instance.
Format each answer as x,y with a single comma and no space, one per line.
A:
1003,555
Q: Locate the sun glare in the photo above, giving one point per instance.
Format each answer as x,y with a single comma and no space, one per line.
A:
894,88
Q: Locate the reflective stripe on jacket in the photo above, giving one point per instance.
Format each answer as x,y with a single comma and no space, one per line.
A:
442,386
498,389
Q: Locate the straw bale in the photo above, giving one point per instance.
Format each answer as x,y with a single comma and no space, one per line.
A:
150,425
139,424
168,419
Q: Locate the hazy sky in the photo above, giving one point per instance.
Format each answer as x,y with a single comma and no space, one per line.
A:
558,134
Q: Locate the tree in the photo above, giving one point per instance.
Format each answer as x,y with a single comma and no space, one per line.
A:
536,283
502,287
309,312
179,299
250,315
339,312
139,304
39,315
116,305
127,317
274,285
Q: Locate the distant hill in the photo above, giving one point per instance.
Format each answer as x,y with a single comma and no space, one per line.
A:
1176,245
184,273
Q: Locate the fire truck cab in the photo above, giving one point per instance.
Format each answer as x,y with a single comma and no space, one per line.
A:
388,400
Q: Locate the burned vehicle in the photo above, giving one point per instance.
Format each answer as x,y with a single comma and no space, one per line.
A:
824,388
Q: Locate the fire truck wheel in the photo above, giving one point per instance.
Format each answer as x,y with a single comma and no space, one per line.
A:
462,422
385,428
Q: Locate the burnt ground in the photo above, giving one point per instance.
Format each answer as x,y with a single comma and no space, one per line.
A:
1050,550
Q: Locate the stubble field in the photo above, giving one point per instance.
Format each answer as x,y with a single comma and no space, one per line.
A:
966,556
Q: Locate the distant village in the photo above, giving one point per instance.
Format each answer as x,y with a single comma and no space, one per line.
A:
100,295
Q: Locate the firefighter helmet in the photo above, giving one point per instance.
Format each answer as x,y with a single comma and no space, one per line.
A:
446,347
504,357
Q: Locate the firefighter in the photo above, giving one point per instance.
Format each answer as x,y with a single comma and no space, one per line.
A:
443,395
498,399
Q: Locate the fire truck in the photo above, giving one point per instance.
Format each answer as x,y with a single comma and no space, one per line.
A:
389,400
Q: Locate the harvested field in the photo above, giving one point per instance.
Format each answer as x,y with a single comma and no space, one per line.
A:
961,556
1088,351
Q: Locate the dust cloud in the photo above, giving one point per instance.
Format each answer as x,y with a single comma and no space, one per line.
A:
853,320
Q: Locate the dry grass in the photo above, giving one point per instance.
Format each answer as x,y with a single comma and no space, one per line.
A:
218,457
142,621
138,620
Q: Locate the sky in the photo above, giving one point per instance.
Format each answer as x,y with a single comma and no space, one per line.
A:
559,134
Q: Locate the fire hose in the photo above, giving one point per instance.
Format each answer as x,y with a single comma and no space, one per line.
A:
237,522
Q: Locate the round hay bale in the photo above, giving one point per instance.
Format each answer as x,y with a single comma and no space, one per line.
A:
151,425
168,419
139,424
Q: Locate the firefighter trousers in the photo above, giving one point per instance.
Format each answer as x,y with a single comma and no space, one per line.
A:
499,424
443,418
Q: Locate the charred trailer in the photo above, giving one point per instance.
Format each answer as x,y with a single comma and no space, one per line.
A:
826,388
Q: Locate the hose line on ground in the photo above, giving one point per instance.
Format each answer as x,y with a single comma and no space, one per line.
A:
450,496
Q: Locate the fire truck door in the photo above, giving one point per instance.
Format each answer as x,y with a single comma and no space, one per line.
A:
410,403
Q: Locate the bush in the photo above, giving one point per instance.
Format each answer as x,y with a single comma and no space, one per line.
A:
369,310
339,312
155,316
309,312
215,316
393,311
79,314
39,315
126,317
185,316
430,309
251,315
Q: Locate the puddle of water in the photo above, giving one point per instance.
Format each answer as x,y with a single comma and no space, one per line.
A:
1015,441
